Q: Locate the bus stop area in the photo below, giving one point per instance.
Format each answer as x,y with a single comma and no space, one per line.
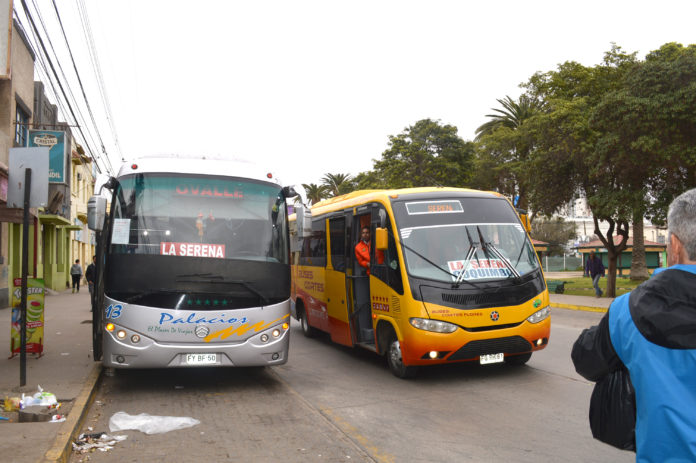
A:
67,370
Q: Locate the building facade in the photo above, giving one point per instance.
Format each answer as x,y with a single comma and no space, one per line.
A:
16,116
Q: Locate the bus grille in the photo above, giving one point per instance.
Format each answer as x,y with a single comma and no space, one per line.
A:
509,345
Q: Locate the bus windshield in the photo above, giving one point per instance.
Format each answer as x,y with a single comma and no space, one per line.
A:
464,239
204,237
199,216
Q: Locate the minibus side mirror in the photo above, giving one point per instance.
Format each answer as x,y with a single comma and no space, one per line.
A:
96,213
382,218
524,218
381,239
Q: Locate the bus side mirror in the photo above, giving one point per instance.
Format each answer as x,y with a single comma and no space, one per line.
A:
524,218
96,213
303,222
381,239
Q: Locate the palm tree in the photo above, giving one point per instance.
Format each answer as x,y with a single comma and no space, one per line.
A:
315,193
336,184
512,116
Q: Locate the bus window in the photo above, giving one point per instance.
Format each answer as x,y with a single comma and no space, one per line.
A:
314,247
386,263
337,229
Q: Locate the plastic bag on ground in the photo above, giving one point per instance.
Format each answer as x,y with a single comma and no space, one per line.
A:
149,424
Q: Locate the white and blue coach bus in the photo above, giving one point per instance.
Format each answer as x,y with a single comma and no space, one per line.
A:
192,266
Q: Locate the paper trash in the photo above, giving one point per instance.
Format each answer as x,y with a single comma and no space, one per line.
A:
149,424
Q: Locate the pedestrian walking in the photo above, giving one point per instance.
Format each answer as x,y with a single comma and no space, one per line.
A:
594,268
89,276
651,332
76,274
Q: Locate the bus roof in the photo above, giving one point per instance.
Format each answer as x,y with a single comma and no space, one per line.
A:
201,165
356,198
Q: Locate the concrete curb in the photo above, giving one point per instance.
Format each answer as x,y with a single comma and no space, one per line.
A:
62,447
578,307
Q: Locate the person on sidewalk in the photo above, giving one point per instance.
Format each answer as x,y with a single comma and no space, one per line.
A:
89,276
76,274
651,331
594,268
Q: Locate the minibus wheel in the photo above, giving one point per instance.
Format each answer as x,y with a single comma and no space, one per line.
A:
395,361
517,360
307,330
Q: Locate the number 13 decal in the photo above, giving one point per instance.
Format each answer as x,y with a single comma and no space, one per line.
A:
114,311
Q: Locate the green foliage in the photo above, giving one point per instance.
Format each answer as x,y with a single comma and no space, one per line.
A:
424,154
504,147
557,232
338,184
315,193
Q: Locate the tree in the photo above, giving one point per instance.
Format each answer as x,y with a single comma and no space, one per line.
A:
338,184
424,154
648,129
557,232
315,193
504,148
568,159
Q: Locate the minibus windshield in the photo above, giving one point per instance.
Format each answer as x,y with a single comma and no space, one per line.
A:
464,239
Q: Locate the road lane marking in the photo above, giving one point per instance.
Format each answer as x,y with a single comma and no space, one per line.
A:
362,444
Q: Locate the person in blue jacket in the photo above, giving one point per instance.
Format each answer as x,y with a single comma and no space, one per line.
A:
652,332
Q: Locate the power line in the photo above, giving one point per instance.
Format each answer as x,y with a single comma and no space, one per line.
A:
87,29
38,37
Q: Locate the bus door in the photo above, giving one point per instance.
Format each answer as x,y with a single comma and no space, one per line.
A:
361,314
337,283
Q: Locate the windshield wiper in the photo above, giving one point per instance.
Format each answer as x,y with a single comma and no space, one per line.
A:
488,246
200,275
473,247
432,263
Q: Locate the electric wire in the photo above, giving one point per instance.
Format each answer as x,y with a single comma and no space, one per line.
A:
69,88
40,42
79,80
89,38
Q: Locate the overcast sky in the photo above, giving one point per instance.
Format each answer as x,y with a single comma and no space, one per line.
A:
314,87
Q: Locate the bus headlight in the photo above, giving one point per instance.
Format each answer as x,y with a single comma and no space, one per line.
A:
539,315
436,326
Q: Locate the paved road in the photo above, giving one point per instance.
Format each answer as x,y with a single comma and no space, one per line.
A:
330,403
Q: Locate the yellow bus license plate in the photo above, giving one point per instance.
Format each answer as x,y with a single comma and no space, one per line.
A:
201,359
491,358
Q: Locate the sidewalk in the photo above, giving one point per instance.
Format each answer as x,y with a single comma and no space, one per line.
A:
66,369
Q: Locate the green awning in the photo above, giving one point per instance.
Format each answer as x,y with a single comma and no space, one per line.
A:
54,219
72,227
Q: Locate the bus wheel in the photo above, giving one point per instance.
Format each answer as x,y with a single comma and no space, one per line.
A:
396,364
517,360
307,330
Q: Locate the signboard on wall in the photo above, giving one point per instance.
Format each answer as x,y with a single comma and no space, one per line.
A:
5,38
55,142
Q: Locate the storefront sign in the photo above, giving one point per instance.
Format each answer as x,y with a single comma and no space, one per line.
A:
55,142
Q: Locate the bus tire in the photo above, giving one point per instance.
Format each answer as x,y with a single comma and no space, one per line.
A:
518,360
395,361
307,330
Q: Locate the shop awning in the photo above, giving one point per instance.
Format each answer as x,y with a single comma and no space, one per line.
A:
72,227
54,219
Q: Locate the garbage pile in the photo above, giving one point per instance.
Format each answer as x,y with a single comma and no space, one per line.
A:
39,407
96,441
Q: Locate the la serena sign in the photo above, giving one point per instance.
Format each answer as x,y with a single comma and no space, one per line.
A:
193,250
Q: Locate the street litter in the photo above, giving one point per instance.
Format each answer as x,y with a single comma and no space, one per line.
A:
45,399
98,440
57,419
2,418
149,424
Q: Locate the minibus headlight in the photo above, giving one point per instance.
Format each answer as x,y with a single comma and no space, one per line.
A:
436,326
539,315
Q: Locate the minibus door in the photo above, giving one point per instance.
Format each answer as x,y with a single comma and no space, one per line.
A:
361,313
337,282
